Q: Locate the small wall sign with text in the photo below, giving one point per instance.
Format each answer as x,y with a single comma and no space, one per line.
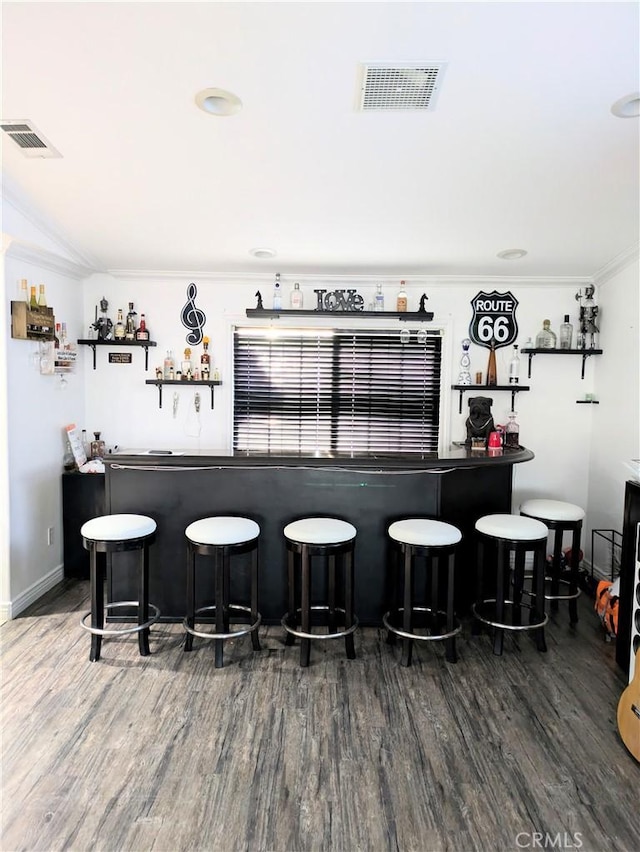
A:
494,319
120,357
335,300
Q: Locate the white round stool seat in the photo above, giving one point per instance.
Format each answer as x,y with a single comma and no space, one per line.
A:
552,510
220,531
424,532
320,531
118,527
513,527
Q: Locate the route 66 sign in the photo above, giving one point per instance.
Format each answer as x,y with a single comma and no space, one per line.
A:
494,318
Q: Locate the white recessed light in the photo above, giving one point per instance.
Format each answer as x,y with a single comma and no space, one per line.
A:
218,102
511,254
263,253
627,107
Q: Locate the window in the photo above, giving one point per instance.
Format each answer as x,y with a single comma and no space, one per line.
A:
335,392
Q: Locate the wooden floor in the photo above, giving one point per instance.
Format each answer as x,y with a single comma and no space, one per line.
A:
166,753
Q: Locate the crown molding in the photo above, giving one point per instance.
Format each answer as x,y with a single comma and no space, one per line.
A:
493,281
19,202
617,264
30,253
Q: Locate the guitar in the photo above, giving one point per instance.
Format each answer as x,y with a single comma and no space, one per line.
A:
629,713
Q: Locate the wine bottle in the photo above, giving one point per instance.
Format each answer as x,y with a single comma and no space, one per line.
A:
42,299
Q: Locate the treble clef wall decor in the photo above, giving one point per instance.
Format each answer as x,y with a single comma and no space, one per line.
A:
192,317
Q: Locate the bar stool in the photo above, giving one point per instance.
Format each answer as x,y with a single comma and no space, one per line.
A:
434,541
112,534
331,540
508,534
222,537
560,517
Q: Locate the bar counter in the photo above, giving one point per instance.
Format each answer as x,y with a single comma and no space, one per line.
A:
175,489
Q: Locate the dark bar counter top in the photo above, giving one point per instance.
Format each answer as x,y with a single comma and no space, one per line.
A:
177,487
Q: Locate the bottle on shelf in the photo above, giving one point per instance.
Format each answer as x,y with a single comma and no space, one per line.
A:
97,446
119,330
64,340
168,366
42,299
514,366
24,291
33,299
512,431
56,337
277,294
142,333
296,298
378,304
401,299
546,339
186,367
130,325
566,333
205,360
492,370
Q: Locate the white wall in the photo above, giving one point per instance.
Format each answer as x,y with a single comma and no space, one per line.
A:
37,408
615,438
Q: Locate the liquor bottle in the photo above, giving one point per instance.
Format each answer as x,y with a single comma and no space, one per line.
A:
205,360
97,446
33,301
492,371
277,294
378,304
546,339
119,330
512,431
64,340
130,326
401,300
296,298
566,333
168,366
186,367
514,366
142,333
56,337
42,299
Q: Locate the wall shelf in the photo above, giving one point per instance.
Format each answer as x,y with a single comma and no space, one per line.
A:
584,352
587,402
403,316
144,343
183,384
31,323
482,389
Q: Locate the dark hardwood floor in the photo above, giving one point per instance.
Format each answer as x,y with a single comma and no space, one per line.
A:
167,753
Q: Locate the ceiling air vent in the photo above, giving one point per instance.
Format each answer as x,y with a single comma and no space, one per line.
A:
404,86
31,142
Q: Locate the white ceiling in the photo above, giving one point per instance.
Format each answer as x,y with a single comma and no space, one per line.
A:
522,149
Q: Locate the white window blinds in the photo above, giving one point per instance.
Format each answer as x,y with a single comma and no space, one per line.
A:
335,392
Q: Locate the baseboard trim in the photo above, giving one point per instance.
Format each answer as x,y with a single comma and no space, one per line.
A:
11,609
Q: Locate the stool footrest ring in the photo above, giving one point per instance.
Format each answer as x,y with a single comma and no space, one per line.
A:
386,620
501,624
233,634
337,635
120,631
558,597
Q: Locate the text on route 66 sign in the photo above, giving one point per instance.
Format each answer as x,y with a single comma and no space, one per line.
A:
494,318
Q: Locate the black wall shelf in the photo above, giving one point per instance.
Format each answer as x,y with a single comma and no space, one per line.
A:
144,343
584,352
183,384
403,316
482,390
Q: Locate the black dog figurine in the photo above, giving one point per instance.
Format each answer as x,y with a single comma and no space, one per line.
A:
479,423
